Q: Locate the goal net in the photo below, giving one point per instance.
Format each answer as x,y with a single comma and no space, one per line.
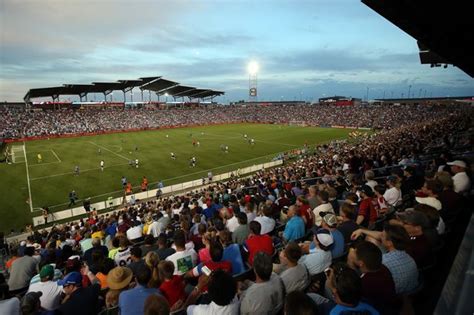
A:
17,154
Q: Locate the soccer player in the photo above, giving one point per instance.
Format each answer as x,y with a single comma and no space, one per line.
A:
194,143
252,141
130,163
136,163
76,170
226,149
124,181
102,165
144,184
72,198
192,162
173,156
198,144
167,136
99,151
136,147
245,136
40,158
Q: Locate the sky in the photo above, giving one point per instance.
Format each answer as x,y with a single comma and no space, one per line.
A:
305,49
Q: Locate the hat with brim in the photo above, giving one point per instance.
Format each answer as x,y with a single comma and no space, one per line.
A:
119,278
74,278
412,217
458,163
429,201
47,272
330,219
323,236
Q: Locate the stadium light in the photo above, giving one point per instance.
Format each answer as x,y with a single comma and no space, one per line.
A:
252,67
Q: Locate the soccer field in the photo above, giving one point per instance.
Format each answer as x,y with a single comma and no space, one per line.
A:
49,181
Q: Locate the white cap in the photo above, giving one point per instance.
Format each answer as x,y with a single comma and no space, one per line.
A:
429,201
458,163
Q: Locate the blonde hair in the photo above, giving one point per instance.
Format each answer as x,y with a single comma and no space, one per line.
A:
152,260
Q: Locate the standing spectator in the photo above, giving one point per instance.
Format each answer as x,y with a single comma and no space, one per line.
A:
132,301
23,269
265,296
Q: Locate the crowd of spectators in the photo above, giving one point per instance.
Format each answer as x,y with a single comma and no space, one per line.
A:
29,123
327,233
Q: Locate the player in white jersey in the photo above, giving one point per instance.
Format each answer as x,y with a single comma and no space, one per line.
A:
173,156
102,165
136,163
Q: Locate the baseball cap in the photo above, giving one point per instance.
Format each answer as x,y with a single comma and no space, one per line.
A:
417,218
30,302
47,271
329,218
391,178
71,278
458,163
429,201
323,235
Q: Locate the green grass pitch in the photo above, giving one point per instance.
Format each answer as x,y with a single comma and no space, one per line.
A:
52,179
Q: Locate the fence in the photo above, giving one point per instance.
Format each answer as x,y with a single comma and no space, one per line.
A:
111,203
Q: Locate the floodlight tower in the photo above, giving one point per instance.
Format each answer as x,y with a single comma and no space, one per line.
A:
253,80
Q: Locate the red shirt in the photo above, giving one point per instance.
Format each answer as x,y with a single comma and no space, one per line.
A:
305,211
173,290
258,243
368,211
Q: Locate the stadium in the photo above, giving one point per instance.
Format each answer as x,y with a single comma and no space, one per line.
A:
200,195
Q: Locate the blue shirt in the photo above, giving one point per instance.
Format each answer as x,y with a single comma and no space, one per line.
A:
361,307
294,228
403,269
132,302
232,254
338,245
111,229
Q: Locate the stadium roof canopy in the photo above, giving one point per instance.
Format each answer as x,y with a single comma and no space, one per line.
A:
156,84
444,32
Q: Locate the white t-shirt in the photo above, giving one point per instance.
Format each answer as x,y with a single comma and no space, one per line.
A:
183,261
134,232
461,182
51,298
232,224
214,309
324,207
317,261
268,224
10,306
392,196
155,229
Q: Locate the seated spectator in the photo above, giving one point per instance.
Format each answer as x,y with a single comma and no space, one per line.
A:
378,287
346,287
304,211
319,258
379,192
257,242
184,259
295,227
299,303
107,265
216,262
266,222
133,301
8,304
265,296
86,242
118,280
136,260
51,291
241,233
96,247
232,252
152,260
420,248
231,221
156,305
348,225
324,206
393,194
155,228
149,245
222,290
31,304
295,276
23,269
462,183
135,233
451,202
79,300
123,256
368,207
172,286
204,254
369,177
329,223
163,250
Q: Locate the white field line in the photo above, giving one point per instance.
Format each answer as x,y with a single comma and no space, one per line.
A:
30,200
256,140
102,147
171,178
81,171
41,164
57,157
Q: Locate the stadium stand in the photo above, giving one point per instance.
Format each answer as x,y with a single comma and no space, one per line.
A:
388,206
